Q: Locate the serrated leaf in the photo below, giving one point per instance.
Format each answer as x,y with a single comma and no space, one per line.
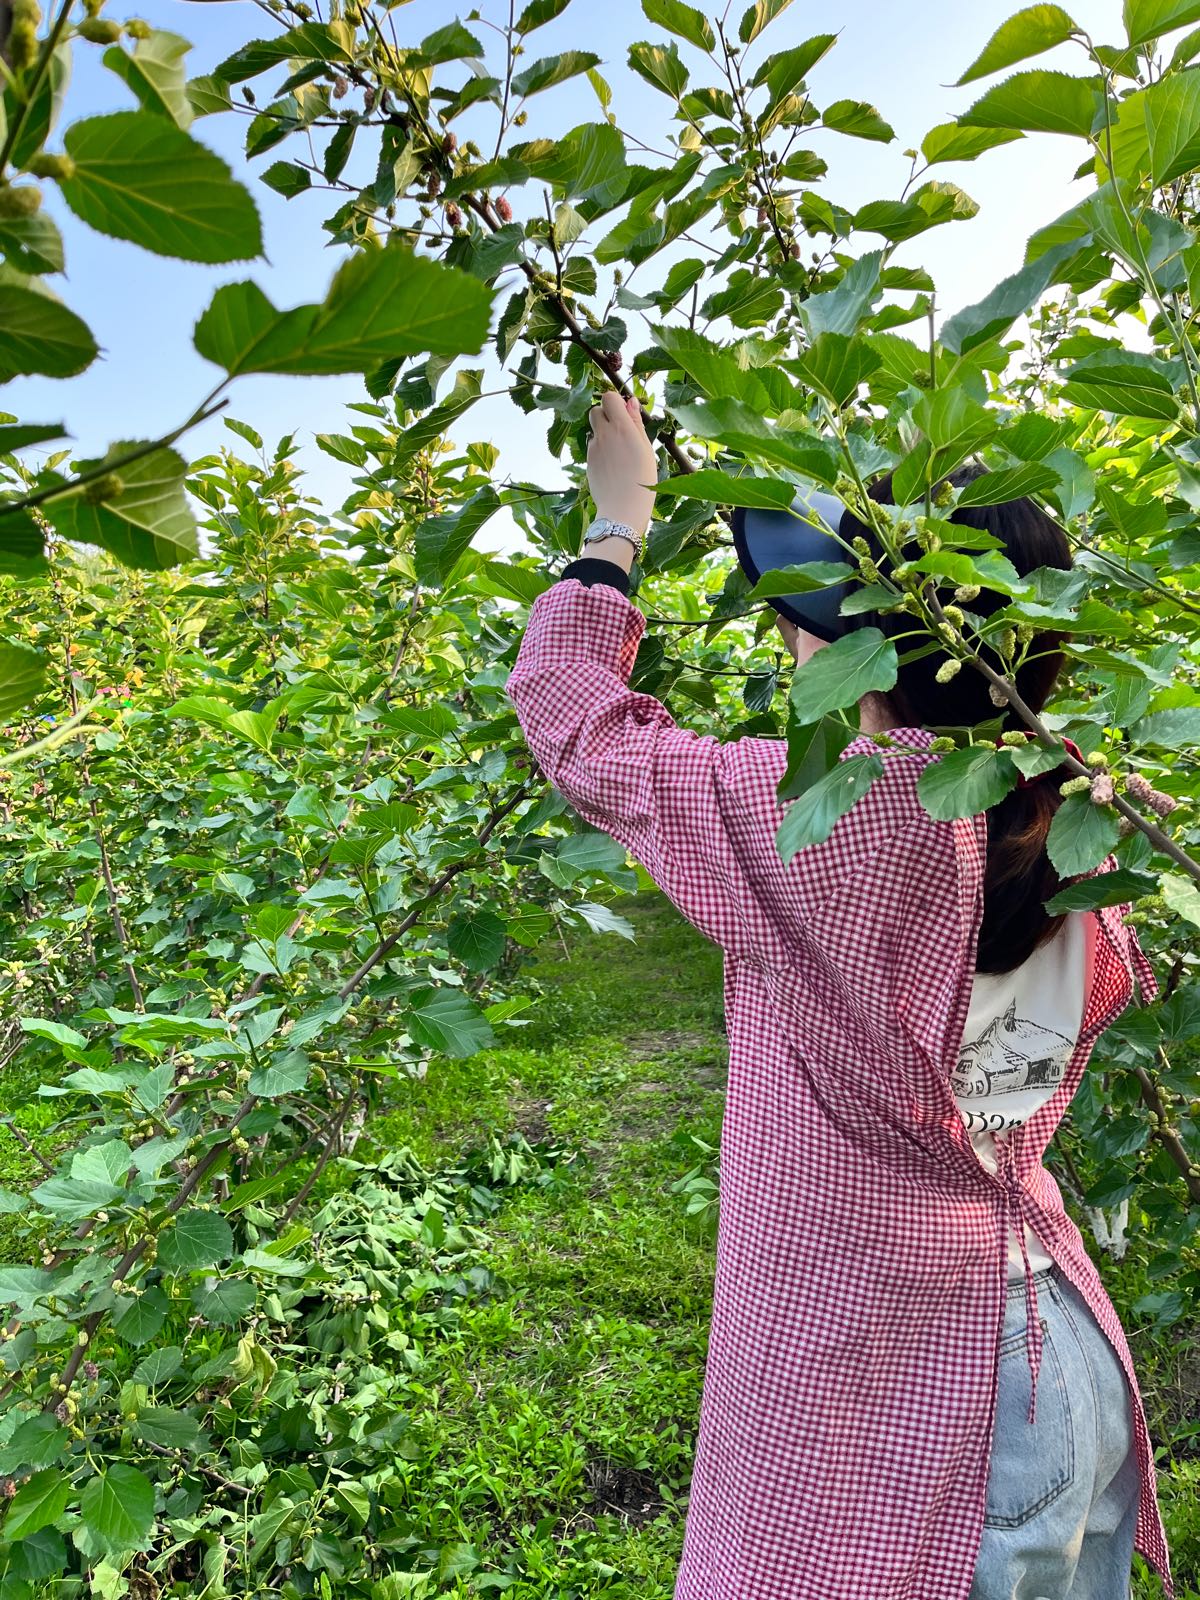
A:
381,304
683,20
196,1239
37,1504
840,673
140,178
1081,835
446,1021
31,244
859,119
950,142
148,524
1038,102
544,74
759,16
1177,728
811,819
1150,19
22,676
477,940
117,1508
965,781
37,332
1025,34
724,489
1114,888
154,72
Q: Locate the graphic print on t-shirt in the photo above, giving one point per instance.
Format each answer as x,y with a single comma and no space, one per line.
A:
1012,1053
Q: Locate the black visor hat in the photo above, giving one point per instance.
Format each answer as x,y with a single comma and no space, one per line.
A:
765,540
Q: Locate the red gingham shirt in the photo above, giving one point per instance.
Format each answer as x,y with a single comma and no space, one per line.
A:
861,1277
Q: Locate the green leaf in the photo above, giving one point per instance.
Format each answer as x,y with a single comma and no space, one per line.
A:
1157,132
836,365
196,1239
43,109
138,177
1038,102
661,66
550,70
811,818
226,1301
966,781
31,245
683,20
451,43
287,179
841,309
1011,483
1108,889
313,41
15,436
759,16
784,72
207,95
1175,729
717,371
283,1074
723,489
37,332
538,12
1127,382
37,1504
22,676
801,579
148,524
477,940
1025,34
1182,896
952,421
446,1021
856,117
1150,19
36,1442
842,672
440,540
1012,297
170,1429
381,304
118,1508
741,429
154,71
1081,836
950,142
159,1366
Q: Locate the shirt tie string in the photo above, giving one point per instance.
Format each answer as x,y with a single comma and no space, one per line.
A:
1033,1325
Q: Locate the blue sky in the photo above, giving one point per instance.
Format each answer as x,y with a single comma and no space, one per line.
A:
142,307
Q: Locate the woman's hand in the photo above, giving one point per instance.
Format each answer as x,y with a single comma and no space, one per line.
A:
622,470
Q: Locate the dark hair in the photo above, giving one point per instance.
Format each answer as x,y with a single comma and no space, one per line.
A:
1019,874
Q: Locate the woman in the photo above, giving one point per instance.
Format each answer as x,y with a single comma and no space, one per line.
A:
916,1386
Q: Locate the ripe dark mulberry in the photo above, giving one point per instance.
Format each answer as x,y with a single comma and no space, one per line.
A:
453,215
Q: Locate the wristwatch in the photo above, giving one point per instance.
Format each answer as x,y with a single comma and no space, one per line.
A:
605,528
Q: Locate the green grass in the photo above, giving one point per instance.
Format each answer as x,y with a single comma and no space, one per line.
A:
559,1427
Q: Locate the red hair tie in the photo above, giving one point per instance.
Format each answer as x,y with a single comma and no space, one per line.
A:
1023,782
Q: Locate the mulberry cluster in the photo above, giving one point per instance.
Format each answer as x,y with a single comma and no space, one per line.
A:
1102,789
1161,804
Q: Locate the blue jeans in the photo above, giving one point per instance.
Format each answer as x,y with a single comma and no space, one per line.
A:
1062,1494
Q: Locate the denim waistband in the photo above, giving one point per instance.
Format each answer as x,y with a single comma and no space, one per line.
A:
1040,1280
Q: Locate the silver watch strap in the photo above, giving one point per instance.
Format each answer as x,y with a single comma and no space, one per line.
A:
605,528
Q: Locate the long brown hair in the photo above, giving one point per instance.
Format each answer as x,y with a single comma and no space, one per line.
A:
1019,874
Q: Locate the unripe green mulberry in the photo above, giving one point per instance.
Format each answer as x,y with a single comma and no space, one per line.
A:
138,28
967,592
954,615
106,488
944,495
45,165
22,45
26,11
1014,737
941,745
100,30
948,669
22,202
1074,786
1006,642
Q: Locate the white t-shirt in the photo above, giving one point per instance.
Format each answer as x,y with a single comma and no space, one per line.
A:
1022,1027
